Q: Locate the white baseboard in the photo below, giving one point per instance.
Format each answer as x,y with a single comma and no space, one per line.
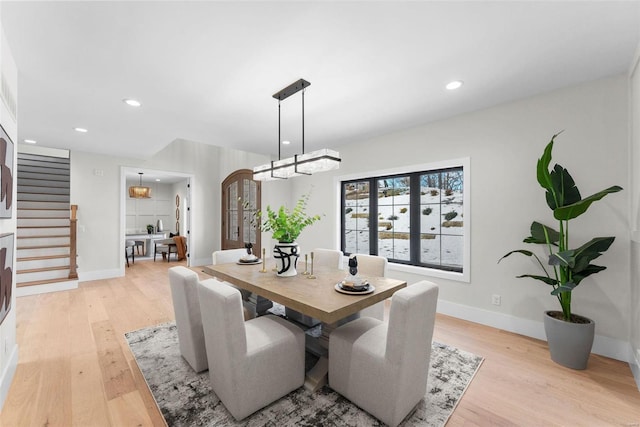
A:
7,375
604,346
634,363
49,287
85,276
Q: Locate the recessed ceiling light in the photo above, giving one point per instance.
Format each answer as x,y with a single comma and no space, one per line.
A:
81,130
30,141
157,179
286,142
454,84
132,102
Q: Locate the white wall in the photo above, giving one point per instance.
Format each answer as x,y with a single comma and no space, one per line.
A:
504,144
96,189
141,212
8,346
634,301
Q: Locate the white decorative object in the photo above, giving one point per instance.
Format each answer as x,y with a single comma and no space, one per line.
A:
286,256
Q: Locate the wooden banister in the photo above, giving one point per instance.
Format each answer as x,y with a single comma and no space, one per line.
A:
73,237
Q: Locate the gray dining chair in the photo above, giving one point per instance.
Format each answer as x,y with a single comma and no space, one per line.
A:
254,304
372,265
382,367
252,363
184,293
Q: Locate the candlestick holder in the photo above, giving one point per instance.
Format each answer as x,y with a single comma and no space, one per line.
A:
264,261
311,276
305,272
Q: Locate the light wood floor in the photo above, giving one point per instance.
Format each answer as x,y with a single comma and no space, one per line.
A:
75,368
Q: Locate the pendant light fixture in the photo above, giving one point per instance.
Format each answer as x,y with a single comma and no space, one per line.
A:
300,164
139,191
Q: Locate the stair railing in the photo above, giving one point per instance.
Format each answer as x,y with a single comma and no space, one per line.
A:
73,224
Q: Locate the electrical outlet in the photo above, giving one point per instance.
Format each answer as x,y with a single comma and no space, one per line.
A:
496,299
98,172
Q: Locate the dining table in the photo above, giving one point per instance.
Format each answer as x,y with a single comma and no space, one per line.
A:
316,295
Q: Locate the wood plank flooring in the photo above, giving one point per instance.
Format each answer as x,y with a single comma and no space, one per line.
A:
75,368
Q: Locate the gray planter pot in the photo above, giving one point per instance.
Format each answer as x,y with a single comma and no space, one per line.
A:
569,343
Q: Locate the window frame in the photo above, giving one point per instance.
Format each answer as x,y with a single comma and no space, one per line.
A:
415,170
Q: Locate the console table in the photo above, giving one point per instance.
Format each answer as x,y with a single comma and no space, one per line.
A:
148,238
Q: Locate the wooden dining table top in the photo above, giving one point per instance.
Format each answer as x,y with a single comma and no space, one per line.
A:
314,297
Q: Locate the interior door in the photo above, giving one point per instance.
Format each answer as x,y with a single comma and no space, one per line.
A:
241,200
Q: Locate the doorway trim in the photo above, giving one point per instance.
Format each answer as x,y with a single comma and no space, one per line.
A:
124,170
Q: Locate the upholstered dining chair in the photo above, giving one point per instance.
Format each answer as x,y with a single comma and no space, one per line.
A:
129,246
382,366
372,265
184,292
255,305
164,246
327,258
252,363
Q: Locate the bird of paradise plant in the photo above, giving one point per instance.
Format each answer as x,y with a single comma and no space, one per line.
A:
568,266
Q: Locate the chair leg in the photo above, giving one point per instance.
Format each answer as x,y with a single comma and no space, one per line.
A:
126,256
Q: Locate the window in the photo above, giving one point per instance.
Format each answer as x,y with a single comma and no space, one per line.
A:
414,218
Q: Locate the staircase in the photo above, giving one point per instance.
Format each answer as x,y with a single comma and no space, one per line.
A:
44,252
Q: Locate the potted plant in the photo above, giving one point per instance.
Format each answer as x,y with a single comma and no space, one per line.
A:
570,336
286,226
150,228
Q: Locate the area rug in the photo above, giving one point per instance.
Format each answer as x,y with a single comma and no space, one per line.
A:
186,399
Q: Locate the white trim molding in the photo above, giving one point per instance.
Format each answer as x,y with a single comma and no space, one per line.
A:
7,375
48,287
604,346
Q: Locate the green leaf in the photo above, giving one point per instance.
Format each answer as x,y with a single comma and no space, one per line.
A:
544,178
574,210
591,269
590,251
564,188
519,251
538,235
567,287
545,279
564,258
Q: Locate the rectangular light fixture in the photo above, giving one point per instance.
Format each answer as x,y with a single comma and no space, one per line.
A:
300,164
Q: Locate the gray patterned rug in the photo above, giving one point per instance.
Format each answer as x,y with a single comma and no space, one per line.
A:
185,398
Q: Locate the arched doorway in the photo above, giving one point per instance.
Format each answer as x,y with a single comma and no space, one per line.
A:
241,200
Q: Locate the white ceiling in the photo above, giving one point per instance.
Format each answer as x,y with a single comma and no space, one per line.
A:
205,71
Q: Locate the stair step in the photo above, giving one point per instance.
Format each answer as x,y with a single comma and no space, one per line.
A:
28,197
42,189
43,240
41,236
43,222
40,204
42,263
34,258
42,226
38,251
39,270
43,246
40,282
